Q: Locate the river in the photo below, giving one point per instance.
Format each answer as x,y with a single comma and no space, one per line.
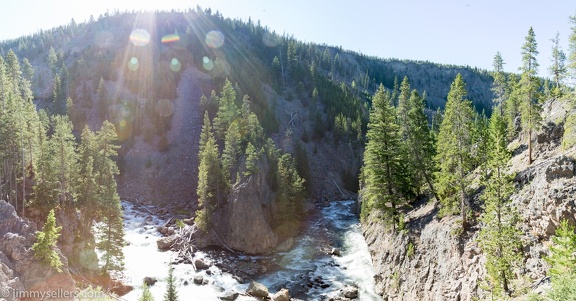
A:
307,270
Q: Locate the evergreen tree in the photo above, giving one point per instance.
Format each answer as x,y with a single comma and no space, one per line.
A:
146,294
53,60
558,67
290,192
562,261
211,182
111,229
499,85
572,47
453,153
383,171
252,156
231,152
499,236
27,70
227,110
420,141
46,241
171,292
529,85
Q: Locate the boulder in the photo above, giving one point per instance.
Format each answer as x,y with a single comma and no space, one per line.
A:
560,167
198,279
550,132
201,264
165,243
257,290
281,295
229,296
350,292
149,281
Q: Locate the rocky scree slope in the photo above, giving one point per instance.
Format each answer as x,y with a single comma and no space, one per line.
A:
431,262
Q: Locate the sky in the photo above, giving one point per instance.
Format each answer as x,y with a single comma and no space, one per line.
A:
460,32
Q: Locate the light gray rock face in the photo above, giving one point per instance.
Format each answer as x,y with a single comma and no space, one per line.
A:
439,269
446,267
19,270
244,224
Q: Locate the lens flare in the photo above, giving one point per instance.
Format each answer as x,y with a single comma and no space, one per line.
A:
140,37
170,38
164,108
214,39
207,63
270,40
175,65
133,64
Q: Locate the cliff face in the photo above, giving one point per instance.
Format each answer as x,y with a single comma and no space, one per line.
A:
247,222
432,262
19,270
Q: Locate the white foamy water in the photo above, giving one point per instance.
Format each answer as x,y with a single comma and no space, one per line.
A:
304,264
308,261
143,259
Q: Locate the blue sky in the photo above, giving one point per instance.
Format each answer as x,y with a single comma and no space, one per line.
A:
461,32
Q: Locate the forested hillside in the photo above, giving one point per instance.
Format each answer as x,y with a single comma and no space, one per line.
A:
239,131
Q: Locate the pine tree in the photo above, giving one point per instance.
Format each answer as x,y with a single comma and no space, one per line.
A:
171,292
211,182
562,261
290,192
227,110
420,141
383,171
529,85
572,47
111,238
558,67
231,152
52,60
499,236
146,294
453,153
499,84
252,156
46,241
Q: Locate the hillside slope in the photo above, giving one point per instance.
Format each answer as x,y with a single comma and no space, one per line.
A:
443,265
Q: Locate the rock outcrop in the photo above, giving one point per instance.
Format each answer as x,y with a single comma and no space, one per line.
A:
20,272
244,223
443,265
438,268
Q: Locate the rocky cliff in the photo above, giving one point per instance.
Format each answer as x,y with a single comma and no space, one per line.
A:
431,261
20,272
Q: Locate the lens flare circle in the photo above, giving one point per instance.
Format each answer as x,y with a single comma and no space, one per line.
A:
140,37
214,39
175,65
164,108
170,38
207,63
133,64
